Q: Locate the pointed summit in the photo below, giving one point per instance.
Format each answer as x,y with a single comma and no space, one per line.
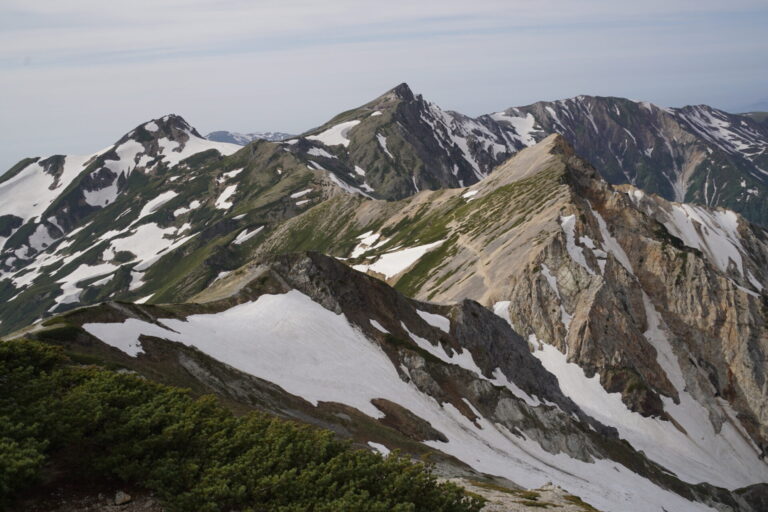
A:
400,144
393,97
402,91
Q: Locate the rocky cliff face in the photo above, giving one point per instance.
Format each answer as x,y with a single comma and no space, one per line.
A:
659,298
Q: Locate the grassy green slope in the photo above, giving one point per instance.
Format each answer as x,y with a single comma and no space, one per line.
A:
334,226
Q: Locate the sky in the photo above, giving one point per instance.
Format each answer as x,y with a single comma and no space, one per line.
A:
76,75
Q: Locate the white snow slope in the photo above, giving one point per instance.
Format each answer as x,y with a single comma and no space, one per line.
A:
332,360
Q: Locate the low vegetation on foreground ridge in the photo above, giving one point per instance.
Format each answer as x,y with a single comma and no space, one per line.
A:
192,453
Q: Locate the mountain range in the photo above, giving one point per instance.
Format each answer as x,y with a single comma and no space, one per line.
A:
567,292
693,154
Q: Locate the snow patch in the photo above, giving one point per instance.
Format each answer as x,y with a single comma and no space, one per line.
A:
501,309
380,448
434,320
320,152
331,361
181,211
392,263
126,157
103,196
232,174
297,195
148,242
155,204
367,240
336,135
376,325
345,186
223,202
192,146
246,235
41,238
501,380
565,317
523,126
70,291
568,224
611,244
461,359
143,300
383,143
715,233
31,191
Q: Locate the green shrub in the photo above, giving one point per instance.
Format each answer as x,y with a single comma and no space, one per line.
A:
194,454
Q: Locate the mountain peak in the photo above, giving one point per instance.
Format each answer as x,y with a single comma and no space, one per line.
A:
402,91
172,122
170,126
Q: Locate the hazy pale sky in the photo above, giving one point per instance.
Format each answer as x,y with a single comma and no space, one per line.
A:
75,75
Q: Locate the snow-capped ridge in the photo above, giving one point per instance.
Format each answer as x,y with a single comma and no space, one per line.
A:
243,139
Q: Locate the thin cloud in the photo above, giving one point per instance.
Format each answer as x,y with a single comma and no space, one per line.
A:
78,74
